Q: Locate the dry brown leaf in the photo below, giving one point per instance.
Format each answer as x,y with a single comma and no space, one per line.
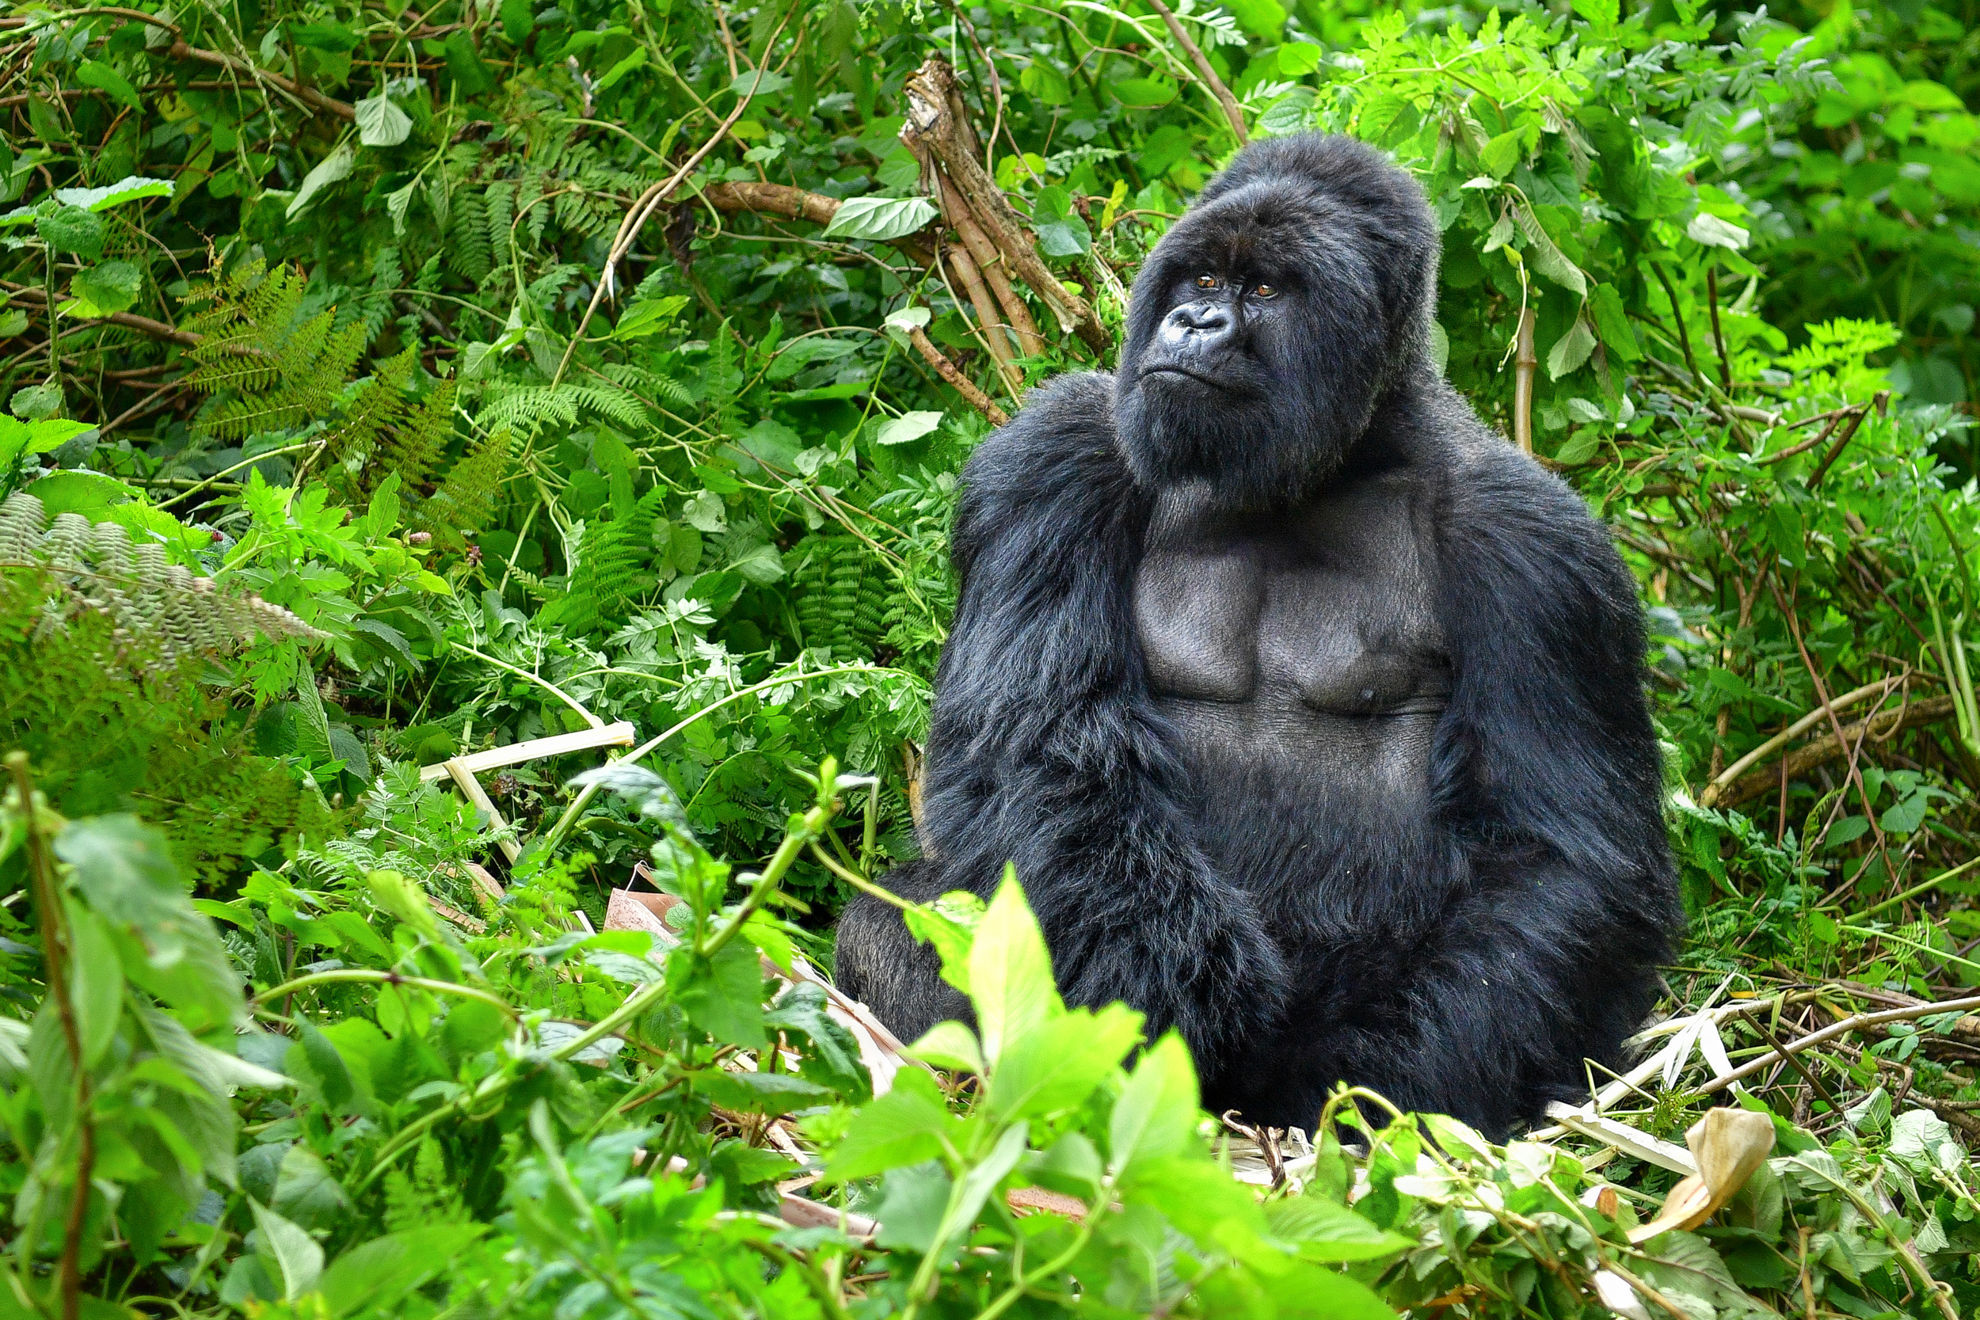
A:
1728,1144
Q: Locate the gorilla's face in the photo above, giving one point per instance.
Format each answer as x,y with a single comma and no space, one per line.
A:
1269,320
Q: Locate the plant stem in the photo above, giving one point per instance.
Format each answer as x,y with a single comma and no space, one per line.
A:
54,955
367,975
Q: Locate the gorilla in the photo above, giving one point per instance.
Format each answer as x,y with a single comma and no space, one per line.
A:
1310,711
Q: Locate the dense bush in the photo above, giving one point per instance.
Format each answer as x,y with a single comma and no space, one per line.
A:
388,385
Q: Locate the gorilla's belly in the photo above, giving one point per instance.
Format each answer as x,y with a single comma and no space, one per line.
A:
1299,655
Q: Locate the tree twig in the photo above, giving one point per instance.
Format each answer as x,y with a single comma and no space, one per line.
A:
932,133
1908,1013
1828,747
650,201
991,263
951,373
1849,433
994,337
1207,74
344,110
129,320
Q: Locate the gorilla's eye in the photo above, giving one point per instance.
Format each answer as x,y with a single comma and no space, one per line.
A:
1263,291
1206,281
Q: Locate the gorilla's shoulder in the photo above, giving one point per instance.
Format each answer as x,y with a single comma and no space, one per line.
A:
1052,473
1068,421
1501,514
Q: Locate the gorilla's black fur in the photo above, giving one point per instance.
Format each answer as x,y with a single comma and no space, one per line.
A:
1310,711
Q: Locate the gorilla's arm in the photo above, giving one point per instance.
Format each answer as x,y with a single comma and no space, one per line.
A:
1546,771
1046,751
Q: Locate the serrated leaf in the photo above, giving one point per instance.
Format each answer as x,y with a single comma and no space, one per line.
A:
1570,350
880,218
1010,973
1156,1112
110,286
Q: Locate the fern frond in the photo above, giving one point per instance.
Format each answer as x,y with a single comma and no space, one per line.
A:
155,605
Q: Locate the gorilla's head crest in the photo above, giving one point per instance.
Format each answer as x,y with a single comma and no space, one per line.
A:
1273,316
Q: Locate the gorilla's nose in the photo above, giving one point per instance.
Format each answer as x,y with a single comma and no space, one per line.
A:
1196,326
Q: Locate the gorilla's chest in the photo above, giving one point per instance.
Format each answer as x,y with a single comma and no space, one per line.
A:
1307,636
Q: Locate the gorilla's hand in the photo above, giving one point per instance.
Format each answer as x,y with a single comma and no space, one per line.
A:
1194,955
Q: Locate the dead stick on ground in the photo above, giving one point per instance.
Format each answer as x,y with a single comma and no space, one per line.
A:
1844,1027
1203,69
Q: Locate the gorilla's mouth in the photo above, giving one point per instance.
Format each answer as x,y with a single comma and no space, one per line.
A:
1172,369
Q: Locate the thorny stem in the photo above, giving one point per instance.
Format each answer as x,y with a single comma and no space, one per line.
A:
54,954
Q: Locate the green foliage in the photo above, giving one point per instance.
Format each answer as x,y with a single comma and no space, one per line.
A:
415,420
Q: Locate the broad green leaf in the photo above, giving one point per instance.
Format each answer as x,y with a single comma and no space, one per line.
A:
649,316
95,73
333,168
1570,350
71,229
131,188
949,1045
1156,1113
96,983
908,426
79,491
636,59
949,923
306,1191
111,286
1010,973
1299,58
912,1204
376,1274
1143,93
127,875
1503,152
1328,1232
759,82
907,1125
1056,1065
1062,232
724,995
297,1257
880,218
381,123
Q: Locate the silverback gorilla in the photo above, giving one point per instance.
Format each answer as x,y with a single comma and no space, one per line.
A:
1309,710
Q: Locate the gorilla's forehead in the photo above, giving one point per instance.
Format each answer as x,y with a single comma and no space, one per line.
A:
1277,229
